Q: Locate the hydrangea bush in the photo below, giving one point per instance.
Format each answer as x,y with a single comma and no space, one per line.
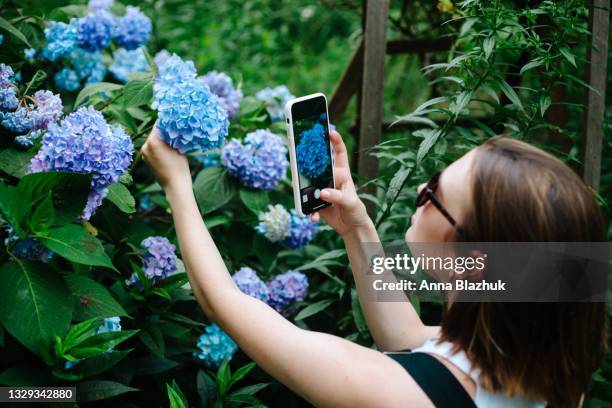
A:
82,218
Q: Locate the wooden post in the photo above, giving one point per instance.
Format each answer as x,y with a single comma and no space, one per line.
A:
370,110
597,59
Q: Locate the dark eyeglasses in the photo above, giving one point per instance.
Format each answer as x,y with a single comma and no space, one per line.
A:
428,193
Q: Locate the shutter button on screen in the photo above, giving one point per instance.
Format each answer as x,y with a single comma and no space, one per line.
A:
317,193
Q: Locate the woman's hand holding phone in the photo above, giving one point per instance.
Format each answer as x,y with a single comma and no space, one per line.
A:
348,212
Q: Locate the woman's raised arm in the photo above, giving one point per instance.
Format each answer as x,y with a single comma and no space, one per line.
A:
326,370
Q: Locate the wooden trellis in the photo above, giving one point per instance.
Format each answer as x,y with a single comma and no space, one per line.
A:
364,76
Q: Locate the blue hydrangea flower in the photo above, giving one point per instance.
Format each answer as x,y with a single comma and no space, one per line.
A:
209,159
159,260
95,30
128,62
311,152
61,39
67,80
1,39
249,283
133,29
190,117
100,4
161,57
260,163
145,203
84,143
215,346
46,109
8,90
110,325
285,289
275,99
221,85
32,250
302,231
24,142
274,224
89,66
29,53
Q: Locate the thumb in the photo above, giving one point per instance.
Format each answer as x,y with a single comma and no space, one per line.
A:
331,195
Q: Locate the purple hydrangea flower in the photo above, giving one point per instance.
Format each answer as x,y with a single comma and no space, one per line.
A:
89,66
8,91
260,163
302,231
161,57
285,289
189,115
133,29
61,39
46,109
95,30
67,80
311,152
221,85
215,346
159,260
100,4
274,224
275,99
84,143
249,283
128,62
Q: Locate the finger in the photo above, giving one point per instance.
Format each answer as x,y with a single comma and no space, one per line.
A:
315,217
331,195
340,154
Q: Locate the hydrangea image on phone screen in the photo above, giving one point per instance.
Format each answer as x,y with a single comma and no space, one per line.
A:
312,152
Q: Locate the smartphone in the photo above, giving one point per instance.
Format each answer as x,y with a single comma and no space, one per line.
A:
310,151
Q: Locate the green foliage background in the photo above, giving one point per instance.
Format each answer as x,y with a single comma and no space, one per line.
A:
499,76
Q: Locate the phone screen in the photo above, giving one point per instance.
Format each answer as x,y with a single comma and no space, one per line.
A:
312,151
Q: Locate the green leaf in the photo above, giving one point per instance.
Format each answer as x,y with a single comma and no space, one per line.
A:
34,307
223,376
13,208
531,64
138,91
358,316
74,243
11,29
177,400
240,373
256,201
119,195
151,365
207,388
99,343
79,332
568,56
249,390
96,390
91,300
545,102
15,162
314,308
431,137
1,336
99,364
511,94
152,337
42,216
488,46
213,189
22,376
94,89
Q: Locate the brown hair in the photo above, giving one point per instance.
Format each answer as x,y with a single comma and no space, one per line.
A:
544,351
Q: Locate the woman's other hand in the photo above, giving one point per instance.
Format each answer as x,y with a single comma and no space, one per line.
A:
170,167
348,212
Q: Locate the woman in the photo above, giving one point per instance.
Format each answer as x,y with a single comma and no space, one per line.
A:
523,354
